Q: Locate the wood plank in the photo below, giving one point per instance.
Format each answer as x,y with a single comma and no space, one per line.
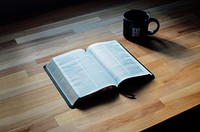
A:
30,102
55,31
15,86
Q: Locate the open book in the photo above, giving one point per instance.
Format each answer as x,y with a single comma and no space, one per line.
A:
80,73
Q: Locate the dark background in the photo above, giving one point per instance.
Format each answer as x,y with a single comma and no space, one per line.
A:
188,121
15,10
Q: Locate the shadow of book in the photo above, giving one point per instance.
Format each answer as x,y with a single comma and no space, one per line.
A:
102,97
129,87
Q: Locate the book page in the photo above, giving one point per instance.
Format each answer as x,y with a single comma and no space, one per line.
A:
118,62
83,72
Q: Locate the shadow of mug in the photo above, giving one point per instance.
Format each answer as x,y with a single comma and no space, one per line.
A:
136,23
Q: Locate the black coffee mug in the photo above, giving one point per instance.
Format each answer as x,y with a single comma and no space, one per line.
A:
136,23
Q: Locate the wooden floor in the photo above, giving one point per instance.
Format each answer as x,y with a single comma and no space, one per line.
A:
30,102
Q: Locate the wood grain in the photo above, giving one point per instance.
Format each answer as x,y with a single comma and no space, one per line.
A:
30,102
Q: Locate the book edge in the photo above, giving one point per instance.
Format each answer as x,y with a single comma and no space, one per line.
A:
58,88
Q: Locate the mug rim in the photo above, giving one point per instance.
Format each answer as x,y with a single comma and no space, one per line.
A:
133,10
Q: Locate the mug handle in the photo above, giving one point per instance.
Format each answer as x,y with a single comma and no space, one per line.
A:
157,28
